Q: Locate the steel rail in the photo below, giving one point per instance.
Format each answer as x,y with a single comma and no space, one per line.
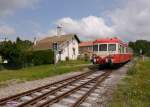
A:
58,98
36,99
82,99
3,101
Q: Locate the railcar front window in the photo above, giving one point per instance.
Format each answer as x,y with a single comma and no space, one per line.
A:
112,47
103,47
95,48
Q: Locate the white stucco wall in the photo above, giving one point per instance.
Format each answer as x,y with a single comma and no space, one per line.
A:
68,50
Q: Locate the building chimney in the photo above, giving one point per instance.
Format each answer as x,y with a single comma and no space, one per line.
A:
35,40
59,30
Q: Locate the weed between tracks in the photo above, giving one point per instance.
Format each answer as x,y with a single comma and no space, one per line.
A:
134,90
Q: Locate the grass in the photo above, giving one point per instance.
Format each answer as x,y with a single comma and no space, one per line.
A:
42,71
134,90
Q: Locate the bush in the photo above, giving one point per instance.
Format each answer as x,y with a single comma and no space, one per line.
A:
86,57
42,57
132,70
19,54
67,58
30,58
1,67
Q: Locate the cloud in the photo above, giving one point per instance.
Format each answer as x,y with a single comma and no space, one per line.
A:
54,32
6,30
129,22
51,32
132,21
8,7
90,26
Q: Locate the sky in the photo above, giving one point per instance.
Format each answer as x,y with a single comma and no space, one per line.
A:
89,19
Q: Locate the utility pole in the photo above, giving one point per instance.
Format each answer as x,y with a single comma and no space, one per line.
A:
59,30
55,46
142,54
4,38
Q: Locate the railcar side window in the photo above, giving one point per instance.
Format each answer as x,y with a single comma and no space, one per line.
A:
122,49
119,48
95,48
126,50
111,47
103,47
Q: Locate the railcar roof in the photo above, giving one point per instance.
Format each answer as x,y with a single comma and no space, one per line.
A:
110,40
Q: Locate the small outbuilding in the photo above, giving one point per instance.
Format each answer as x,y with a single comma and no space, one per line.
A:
86,49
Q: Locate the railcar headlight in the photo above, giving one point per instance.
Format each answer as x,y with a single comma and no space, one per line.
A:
106,59
94,59
112,60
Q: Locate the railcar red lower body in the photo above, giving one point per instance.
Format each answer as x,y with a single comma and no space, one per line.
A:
113,59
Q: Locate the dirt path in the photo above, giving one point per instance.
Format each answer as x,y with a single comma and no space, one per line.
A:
109,85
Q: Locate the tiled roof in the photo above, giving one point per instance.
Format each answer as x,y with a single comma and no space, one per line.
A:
88,43
47,42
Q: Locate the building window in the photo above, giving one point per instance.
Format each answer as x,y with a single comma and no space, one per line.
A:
74,51
73,41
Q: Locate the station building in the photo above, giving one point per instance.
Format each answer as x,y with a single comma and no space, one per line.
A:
66,46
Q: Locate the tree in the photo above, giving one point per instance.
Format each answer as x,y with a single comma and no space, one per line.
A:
138,45
15,52
14,55
25,45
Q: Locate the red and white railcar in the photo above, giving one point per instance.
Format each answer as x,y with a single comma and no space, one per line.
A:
111,51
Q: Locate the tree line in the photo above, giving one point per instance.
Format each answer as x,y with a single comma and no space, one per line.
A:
20,54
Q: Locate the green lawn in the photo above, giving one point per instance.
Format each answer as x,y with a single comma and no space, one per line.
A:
134,90
38,72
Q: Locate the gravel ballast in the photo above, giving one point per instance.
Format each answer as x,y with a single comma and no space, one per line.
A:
109,85
16,88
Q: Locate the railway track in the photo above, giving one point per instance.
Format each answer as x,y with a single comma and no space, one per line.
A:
70,92
12,99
